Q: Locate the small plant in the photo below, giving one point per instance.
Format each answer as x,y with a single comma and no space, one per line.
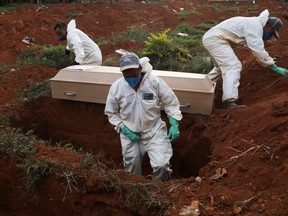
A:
69,180
88,161
144,193
35,170
164,53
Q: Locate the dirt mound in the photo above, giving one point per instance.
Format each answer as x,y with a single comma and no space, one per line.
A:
247,147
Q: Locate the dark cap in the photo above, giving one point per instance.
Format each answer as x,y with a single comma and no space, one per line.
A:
276,24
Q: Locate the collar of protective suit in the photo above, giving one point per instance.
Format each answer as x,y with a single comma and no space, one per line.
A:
263,17
71,25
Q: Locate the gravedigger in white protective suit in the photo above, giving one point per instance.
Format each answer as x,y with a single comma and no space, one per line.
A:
247,31
86,51
133,107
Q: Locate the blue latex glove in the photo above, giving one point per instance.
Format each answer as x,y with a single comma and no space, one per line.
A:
174,132
279,70
130,134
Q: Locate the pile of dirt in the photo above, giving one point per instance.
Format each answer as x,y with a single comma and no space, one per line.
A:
240,155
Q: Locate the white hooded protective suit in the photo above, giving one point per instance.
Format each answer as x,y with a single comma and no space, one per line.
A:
87,52
140,111
246,31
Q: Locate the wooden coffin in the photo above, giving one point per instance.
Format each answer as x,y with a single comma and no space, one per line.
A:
91,84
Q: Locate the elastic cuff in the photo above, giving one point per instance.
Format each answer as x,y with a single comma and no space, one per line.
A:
119,127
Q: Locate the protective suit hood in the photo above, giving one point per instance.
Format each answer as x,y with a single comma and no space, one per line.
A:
146,66
71,25
263,17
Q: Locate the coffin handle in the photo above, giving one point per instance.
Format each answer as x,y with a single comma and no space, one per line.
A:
69,93
188,105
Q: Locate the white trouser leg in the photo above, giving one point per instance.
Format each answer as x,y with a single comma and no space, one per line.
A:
132,155
160,152
229,65
158,147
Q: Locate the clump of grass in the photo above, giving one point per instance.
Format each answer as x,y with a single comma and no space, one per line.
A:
136,34
74,15
88,161
46,56
181,15
35,171
3,68
16,144
29,57
36,91
55,57
253,10
7,8
69,180
219,8
146,193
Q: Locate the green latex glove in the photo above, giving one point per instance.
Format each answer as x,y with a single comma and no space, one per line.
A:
174,132
279,70
130,134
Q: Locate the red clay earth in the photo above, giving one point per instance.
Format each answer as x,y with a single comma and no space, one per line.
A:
251,144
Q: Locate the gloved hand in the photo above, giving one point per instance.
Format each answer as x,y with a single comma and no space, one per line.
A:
174,132
67,52
130,134
279,70
75,63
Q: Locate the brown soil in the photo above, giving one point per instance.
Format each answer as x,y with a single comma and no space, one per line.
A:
205,144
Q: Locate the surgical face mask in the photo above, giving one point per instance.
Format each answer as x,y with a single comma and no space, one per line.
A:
133,81
61,37
267,36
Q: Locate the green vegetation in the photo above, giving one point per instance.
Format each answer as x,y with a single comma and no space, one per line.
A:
69,180
145,193
74,15
55,57
7,8
36,91
253,10
135,33
47,57
181,15
3,68
88,161
169,51
219,8
35,171
29,57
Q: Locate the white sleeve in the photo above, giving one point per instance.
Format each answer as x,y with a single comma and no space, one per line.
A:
169,100
255,42
112,110
77,47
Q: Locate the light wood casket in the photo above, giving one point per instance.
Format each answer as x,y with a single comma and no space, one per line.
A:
91,84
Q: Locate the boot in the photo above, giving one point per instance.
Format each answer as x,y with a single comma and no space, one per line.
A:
233,105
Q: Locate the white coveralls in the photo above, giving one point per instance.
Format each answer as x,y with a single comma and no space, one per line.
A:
87,52
246,31
140,112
